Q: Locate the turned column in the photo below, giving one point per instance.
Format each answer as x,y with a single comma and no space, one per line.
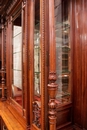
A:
3,65
52,86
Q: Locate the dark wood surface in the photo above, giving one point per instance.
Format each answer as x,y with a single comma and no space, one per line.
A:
76,111
80,63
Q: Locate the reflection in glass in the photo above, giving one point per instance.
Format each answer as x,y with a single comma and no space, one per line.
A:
37,62
17,60
62,29
37,50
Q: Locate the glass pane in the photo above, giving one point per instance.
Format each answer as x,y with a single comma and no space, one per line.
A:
17,60
37,50
63,50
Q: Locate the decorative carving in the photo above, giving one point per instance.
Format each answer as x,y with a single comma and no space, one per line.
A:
43,60
52,87
24,3
13,3
3,66
52,76
37,113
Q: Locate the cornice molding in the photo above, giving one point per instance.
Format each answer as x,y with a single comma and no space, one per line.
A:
13,3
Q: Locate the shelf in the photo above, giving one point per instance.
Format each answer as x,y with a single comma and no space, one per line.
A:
64,59
36,47
63,76
63,71
37,72
62,95
63,40
63,24
62,31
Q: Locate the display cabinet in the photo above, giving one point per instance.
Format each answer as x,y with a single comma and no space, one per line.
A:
39,63
63,39
27,62
15,59
46,66
63,52
60,64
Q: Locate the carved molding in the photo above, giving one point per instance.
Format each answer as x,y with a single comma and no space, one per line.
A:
13,3
43,58
24,3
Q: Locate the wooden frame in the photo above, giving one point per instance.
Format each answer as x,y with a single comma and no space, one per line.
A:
44,62
28,7
48,64
78,66
9,60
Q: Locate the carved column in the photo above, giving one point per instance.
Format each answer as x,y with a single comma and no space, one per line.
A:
52,86
3,65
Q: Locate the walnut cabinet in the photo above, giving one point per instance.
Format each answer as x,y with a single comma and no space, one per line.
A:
43,63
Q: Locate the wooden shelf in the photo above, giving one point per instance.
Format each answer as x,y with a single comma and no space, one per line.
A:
11,121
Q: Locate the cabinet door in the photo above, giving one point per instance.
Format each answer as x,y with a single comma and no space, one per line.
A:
63,60
15,63
37,71
60,62
63,51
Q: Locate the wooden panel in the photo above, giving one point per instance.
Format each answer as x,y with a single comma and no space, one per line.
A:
80,63
0,46
84,63
64,117
77,67
12,122
34,127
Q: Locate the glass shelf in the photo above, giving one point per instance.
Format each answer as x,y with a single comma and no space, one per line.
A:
63,94
64,76
64,23
65,29
37,48
37,72
63,71
63,51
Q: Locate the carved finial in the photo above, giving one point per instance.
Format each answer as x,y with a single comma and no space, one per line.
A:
52,87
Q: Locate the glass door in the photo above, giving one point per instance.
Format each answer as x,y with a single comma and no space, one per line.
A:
63,51
17,97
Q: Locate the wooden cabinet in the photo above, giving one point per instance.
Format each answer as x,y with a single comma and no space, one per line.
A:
63,51
38,59
27,61
46,63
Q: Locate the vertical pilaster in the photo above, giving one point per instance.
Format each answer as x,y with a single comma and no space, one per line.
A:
52,86
3,65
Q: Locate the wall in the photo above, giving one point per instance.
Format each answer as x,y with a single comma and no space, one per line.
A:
80,62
